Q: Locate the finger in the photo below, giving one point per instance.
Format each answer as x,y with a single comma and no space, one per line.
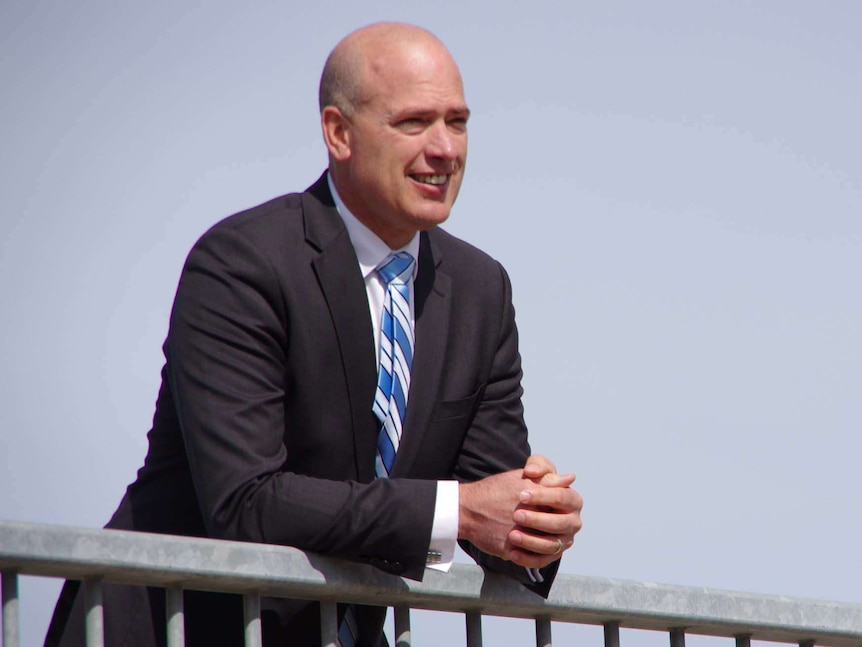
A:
531,560
537,466
557,480
551,523
558,499
541,544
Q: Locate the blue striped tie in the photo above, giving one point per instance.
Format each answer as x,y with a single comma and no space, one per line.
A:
393,383
396,358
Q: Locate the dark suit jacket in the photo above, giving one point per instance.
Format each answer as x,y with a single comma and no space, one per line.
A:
264,431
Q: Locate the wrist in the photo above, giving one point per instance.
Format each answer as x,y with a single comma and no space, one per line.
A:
470,512
464,515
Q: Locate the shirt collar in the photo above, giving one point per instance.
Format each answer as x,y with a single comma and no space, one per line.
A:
370,249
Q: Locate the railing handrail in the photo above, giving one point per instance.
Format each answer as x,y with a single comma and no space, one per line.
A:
207,564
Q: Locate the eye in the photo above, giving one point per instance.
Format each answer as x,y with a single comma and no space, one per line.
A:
412,125
457,125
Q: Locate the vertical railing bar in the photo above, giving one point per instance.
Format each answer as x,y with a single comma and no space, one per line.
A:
543,632
806,643
328,624
474,629
95,619
743,640
11,627
251,616
176,617
612,634
402,627
677,637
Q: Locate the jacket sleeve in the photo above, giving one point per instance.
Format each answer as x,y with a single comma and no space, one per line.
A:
497,439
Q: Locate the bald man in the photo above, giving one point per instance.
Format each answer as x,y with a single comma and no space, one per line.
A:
305,402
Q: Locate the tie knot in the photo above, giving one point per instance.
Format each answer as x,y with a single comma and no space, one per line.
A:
396,267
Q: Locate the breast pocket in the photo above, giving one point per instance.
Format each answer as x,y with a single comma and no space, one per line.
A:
442,442
461,408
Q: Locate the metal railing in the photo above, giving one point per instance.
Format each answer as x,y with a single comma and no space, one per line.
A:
254,570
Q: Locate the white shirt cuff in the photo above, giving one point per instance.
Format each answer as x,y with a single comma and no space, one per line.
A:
535,575
444,530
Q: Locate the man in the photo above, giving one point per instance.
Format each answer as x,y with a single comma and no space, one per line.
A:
306,402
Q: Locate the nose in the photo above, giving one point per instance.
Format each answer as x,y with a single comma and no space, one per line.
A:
442,142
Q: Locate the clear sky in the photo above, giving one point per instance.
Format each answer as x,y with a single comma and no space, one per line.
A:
674,187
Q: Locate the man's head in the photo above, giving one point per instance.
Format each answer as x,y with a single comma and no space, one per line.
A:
394,120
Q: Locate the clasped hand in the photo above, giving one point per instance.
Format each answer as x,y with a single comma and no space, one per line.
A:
528,515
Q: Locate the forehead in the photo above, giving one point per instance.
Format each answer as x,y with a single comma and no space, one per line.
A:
426,77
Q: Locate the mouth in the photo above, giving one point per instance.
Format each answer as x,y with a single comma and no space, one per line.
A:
432,179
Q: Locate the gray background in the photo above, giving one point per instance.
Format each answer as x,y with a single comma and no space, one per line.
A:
674,188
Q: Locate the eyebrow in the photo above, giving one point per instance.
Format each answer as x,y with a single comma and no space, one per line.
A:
416,111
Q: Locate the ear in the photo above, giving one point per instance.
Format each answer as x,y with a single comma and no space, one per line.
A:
336,133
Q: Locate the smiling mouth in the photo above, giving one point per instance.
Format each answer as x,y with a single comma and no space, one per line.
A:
436,180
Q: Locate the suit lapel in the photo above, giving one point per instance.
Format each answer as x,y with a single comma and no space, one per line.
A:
336,268
432,294
337,271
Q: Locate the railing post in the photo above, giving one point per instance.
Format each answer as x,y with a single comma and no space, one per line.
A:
474,629
677,637
543,632
251,614
743,640
95,619
612,634
328,624
176,617
11,634
402,627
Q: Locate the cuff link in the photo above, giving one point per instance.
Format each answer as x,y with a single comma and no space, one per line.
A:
434,557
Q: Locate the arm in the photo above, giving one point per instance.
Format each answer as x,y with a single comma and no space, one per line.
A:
268,453
524,516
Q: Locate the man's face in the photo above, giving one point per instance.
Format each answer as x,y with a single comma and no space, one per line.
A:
408,144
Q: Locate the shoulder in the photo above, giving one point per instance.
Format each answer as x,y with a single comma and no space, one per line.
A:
456,252
462,260
279,224
259,222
